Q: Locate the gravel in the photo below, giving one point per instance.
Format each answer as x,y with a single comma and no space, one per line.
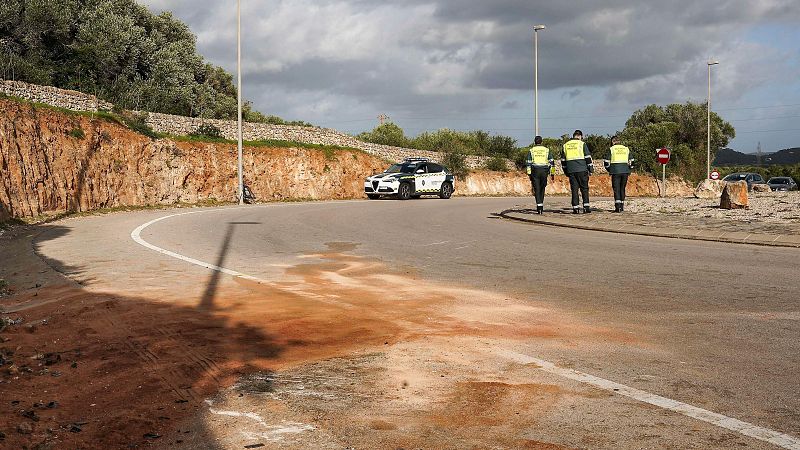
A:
772,207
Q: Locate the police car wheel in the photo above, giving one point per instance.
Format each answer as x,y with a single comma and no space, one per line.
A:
446,191
404,191
373,196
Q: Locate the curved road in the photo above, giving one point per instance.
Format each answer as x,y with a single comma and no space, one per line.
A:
715,325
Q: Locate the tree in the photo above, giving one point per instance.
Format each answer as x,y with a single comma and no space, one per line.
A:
117,50
681,127
386,134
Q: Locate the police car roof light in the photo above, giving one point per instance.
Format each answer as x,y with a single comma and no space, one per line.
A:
416,160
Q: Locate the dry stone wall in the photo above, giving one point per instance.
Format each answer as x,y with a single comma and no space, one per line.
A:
62,98
182,126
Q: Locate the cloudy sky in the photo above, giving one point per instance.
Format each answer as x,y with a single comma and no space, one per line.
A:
468,64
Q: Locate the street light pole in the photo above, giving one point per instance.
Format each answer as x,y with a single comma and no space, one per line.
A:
708,120
239,99
536,29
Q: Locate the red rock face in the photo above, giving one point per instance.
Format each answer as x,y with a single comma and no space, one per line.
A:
734,196
47,169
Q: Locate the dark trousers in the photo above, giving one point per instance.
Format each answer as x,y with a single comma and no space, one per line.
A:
579,182
618,183
538,178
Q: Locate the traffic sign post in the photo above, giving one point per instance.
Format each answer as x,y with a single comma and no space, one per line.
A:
714,175
663,155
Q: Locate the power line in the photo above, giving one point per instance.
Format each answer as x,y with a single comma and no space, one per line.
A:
768,131
479,119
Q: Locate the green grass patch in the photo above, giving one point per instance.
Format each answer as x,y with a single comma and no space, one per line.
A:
77,133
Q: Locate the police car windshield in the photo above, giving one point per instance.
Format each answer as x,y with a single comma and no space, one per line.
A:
401,168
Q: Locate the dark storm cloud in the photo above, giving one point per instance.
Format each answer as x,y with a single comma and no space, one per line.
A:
458,55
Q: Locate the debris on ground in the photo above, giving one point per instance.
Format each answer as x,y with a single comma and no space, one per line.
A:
6,322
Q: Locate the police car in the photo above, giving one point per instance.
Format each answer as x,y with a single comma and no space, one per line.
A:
413,177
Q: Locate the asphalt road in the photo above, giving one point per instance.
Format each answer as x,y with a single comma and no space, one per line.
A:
718,323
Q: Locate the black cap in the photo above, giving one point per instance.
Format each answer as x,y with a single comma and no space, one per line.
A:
537,140
577,133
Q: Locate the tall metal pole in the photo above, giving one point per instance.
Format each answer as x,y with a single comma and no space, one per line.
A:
536,30
239,89
536,83
708,121
708,129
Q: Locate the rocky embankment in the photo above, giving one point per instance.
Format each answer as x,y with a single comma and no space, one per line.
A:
54,162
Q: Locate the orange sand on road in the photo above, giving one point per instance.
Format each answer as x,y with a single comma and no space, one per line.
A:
126,369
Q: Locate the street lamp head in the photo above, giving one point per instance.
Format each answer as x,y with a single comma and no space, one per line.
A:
713,62
538,27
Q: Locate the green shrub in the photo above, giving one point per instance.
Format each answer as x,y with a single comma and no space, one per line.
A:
497,163
520,158
138,124
455,159
77,133
207,130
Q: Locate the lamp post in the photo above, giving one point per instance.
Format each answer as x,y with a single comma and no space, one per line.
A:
536,29
239,99
710,63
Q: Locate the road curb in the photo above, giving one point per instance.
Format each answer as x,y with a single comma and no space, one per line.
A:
730,237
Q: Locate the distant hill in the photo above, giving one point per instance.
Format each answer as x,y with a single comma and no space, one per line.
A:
786,156
730,157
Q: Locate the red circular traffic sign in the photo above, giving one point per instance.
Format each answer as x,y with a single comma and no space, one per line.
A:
714,175
663,155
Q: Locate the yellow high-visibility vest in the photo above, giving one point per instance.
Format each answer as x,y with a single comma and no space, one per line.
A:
539,155
620,154
573,150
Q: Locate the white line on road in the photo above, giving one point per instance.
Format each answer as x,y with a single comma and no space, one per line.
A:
435,243
729,423
764,434
136,235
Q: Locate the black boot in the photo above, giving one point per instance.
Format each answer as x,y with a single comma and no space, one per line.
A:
621,207
574,210
586,210
539,209
616,208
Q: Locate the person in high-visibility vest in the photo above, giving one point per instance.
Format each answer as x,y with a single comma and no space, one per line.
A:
576,160
619,167
539,165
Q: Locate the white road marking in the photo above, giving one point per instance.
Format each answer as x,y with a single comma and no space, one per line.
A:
435,243
136,235
763,434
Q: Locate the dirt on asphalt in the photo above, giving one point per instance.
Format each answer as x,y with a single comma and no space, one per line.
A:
339,353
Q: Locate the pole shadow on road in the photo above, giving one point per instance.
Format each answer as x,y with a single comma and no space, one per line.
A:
210,292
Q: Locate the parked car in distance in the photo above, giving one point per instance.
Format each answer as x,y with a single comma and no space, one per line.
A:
782,184
749,177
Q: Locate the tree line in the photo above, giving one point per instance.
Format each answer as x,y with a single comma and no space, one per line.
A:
681,127
119,51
